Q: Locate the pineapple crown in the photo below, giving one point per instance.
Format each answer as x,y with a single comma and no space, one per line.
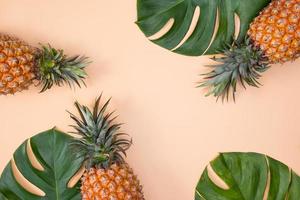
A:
240,63
54,67
101,144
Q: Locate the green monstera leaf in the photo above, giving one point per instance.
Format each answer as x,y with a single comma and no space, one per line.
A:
57,165
214,28
248,176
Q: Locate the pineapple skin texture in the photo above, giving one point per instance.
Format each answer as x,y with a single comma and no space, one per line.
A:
115,183
276,31
17,64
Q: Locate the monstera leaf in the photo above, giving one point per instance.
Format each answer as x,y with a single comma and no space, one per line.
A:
214,28
249,176
56,166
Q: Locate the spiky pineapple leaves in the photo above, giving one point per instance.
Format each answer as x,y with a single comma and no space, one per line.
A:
2,197
55,167
239,64
56,68
214,28
248,176
101,144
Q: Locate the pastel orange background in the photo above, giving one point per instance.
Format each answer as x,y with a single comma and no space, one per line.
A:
176,130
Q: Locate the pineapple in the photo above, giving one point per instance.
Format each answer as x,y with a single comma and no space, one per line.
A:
107,175
273,37
22,65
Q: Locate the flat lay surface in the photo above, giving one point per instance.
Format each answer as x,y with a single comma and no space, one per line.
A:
176,130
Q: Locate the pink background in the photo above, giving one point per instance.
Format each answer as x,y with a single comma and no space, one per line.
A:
176,130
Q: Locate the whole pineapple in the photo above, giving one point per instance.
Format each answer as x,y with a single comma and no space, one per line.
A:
21,65
107,175
273,37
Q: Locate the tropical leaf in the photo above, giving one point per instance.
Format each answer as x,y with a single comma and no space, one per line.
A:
248,177
58,164
153,15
